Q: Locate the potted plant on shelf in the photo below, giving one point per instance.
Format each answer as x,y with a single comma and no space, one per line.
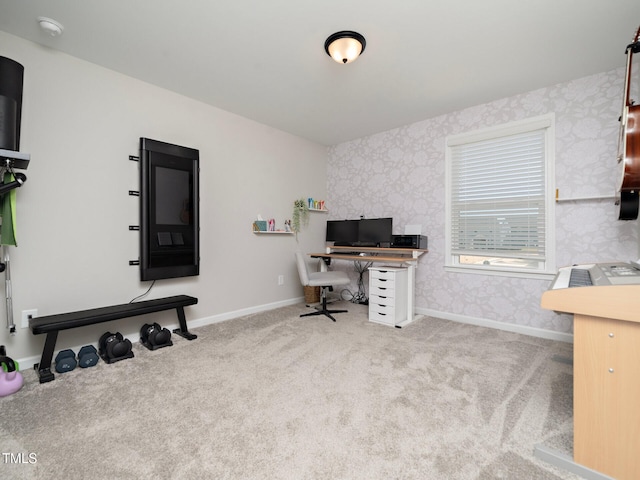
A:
300,216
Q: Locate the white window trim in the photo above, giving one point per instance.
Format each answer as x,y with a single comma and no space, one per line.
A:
548,269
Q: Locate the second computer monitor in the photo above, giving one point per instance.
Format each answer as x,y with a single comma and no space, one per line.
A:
375,232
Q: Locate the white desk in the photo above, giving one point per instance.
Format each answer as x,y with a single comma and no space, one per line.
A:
398,256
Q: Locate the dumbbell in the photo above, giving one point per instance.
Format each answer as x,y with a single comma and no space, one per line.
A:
88,356
114,347
65,361
154,336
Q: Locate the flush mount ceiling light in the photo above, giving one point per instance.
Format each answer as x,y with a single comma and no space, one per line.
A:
50,27
345,47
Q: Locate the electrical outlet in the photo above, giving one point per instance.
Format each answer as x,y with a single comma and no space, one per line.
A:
26,315
280,279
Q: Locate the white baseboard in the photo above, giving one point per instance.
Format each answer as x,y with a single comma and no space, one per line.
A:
509,327
29,362
222,317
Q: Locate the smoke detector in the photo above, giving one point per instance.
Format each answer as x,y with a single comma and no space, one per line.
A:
50,27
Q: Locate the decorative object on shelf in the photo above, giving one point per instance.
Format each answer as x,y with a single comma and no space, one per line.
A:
300,215
260,224
316,205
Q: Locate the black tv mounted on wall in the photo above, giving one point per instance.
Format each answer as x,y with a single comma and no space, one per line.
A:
169,210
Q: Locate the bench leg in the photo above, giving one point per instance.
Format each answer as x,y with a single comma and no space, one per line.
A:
182,331
44,367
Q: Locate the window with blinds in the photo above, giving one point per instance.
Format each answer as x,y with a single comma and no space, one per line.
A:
499,206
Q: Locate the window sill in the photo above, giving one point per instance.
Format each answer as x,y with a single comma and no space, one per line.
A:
500,272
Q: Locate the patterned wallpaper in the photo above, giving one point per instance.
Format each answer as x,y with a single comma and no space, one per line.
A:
401,173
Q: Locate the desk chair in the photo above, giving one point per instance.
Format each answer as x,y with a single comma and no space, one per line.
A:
323,280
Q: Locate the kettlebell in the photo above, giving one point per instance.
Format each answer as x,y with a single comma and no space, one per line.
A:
11,379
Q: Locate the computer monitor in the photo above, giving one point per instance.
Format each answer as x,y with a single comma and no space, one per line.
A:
375,231
366,232
342,232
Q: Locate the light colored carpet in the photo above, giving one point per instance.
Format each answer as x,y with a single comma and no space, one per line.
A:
274,396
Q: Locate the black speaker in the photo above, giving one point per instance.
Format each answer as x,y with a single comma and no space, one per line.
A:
11,79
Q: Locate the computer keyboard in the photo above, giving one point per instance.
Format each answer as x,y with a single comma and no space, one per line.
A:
580,277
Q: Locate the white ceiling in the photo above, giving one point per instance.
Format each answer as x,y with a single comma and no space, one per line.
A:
265,60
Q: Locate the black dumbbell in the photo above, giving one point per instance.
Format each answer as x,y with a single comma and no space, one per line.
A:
65,361
114,347
88,356
154,336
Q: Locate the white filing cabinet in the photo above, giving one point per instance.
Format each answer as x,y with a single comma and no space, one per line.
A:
388,293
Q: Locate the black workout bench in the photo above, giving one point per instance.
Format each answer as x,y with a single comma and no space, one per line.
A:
52,324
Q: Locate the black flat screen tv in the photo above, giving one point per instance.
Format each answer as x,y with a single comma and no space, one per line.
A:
169,210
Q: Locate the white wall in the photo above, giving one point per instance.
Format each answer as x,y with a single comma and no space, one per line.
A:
400,173
80,122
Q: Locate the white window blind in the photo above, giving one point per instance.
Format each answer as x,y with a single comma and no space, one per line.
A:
498,202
